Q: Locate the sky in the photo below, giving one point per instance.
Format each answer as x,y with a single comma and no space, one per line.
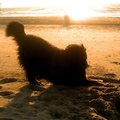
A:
80,3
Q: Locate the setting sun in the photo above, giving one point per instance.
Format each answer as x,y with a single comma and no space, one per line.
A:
81,13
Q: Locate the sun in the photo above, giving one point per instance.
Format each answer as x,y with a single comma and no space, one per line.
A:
81,11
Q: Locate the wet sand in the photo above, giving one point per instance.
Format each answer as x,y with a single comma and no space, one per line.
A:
60,20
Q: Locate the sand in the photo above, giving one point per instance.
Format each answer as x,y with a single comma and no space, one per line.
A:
21,101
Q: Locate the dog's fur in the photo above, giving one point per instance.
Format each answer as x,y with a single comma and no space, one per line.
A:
39,58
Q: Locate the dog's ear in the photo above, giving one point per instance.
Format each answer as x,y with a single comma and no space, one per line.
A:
82,46
15,29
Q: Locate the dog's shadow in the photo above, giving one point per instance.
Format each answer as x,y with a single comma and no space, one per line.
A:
45,102
59,102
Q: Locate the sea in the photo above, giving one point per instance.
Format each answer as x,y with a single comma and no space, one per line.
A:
103,10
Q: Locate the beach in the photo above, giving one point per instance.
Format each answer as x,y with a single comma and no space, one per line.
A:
21,101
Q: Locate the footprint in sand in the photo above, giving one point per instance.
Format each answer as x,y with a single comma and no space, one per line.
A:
6,93
7,80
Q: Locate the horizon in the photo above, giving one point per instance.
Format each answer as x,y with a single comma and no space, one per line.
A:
71,8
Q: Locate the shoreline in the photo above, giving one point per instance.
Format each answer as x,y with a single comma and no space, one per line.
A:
59,20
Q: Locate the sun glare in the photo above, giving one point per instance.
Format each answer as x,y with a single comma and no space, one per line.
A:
80,13
81,9
77,9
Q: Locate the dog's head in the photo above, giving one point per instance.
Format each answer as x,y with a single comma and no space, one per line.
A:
15,29
77,54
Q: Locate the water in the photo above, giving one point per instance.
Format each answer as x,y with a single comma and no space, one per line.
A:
32,11
109,10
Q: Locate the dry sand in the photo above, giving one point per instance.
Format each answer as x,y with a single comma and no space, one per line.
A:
21,101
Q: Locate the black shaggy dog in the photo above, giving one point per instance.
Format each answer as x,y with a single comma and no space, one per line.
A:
39,58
